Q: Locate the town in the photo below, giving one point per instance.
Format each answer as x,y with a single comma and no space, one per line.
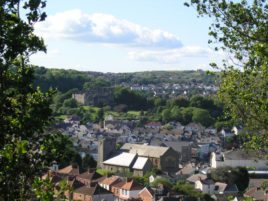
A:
134,100
207,161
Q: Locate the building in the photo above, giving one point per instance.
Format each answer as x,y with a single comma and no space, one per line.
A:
163,158
95,193
141,166
184,149
121,163
128,190
89,177
97,96
239,158
106,148
108,182
146,194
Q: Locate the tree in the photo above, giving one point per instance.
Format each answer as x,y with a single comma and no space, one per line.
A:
229,175
180,101
60,147
202,116
166,115
88,162
187,114
24,110
70,103
241,29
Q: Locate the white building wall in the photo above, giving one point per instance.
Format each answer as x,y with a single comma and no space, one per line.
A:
259,164
198,185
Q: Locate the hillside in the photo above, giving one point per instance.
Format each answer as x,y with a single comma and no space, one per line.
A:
65,80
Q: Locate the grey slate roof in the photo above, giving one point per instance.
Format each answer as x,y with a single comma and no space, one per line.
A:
145,150
177,146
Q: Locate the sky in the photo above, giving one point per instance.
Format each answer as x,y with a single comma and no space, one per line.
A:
124,36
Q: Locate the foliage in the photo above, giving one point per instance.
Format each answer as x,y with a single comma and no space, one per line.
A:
62,80
88,162
60,147
103,172
96,83
241,29
45,190
24,109
133,100
202,116
180,101
165,182
187,189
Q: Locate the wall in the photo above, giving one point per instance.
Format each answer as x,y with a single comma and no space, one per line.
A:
80,98
170,161
106,147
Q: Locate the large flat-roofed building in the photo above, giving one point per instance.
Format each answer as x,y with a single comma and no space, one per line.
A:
239,158
163,158
128,162
121,163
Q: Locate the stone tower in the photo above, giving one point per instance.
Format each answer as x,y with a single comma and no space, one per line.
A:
106,148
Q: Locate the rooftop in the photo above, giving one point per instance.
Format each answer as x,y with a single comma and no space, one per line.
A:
145,150
241,154
124,160
140,163
70,170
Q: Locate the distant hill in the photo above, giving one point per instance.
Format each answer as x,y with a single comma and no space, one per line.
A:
65,80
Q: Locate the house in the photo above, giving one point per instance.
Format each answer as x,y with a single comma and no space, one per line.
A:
188,170
202,183
128,190
239,158
89,177
95,193
72,183
108,182
153,125
257,194
146,194
196,177
206,186
163,158
227,133
71,170
257,189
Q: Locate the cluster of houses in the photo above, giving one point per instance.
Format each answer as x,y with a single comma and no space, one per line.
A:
181,153
91,186
173,90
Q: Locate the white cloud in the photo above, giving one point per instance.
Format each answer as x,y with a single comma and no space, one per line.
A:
103,28
171,55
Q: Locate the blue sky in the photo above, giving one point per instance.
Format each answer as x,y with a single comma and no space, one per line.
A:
124,36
